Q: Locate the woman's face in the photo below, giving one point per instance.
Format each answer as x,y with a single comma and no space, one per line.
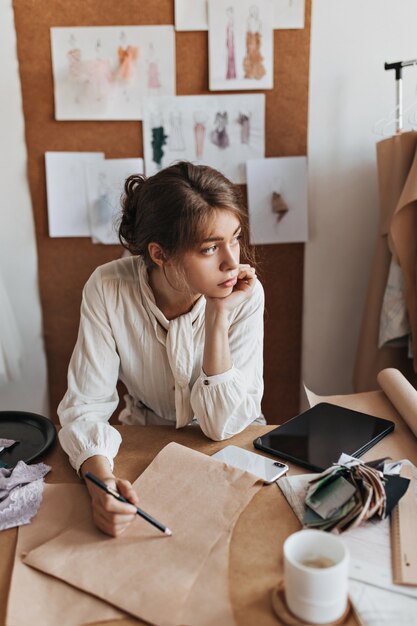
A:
211,268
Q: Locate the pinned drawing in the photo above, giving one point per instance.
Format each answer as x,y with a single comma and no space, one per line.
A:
220,131
240,44
277,200
253,65
200,119
105,72
191,15
230,45
219,135
67,192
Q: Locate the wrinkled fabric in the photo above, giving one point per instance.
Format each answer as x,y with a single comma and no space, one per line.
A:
124,335
6,443
21,490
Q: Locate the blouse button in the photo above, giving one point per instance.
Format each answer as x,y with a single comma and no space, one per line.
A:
206,382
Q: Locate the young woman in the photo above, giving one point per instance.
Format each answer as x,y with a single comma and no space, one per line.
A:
180,323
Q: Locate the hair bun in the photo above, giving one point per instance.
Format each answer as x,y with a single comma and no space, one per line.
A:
132,183
130,206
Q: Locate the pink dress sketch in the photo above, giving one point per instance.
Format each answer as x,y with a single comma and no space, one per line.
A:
153,69
230,46
200,118
100,77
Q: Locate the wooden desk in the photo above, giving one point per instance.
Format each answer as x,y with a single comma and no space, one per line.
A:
256,547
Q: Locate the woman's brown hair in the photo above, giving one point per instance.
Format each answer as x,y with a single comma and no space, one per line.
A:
173,208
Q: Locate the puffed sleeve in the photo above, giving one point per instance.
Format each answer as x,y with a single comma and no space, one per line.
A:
226,403
93,372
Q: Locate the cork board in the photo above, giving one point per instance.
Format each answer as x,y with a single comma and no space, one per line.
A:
65,264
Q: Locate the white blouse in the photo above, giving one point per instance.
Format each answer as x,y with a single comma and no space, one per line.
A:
123,335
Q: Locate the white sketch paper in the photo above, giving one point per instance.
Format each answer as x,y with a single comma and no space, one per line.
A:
277,200
105,72
67,193
105,183
288,14
240,44
191,15
220,131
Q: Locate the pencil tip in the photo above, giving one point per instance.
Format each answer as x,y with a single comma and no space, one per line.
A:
168,532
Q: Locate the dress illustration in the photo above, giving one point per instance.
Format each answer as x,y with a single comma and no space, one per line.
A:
244,121
176,139
230,46
154,81
127,59
159,139
199,132
219,135
76,73
253,66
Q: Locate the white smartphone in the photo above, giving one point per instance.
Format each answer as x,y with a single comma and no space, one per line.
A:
263,467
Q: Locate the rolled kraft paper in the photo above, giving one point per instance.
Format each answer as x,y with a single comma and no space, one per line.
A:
402,395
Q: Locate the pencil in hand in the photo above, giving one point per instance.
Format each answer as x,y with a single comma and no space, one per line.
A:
112,492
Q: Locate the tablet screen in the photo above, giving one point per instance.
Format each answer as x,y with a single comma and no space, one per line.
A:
317,437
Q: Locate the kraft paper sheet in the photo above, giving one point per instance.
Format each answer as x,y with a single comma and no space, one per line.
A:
397,169
164,580
62,505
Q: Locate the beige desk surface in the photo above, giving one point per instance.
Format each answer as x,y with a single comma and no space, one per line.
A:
256,547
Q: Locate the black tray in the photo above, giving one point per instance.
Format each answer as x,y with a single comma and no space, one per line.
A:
35,434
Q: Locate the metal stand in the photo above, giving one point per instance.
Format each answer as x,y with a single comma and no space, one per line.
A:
398,67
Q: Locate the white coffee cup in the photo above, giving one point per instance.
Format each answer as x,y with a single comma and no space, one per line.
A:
316,567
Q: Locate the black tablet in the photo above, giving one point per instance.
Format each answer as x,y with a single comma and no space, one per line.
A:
317,437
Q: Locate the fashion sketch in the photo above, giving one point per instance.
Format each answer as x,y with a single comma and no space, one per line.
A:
279,206
103,210
244,121
100,75
200,118
176,139
127,60
76,73
159,139
154,81
230,45
253,65
219,135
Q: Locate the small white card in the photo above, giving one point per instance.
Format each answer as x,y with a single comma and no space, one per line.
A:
67,193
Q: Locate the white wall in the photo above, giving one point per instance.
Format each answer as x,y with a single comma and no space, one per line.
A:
349,92
18,259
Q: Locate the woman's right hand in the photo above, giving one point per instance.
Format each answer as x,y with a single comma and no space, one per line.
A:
109,515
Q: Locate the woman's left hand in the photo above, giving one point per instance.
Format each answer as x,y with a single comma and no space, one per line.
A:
242,291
